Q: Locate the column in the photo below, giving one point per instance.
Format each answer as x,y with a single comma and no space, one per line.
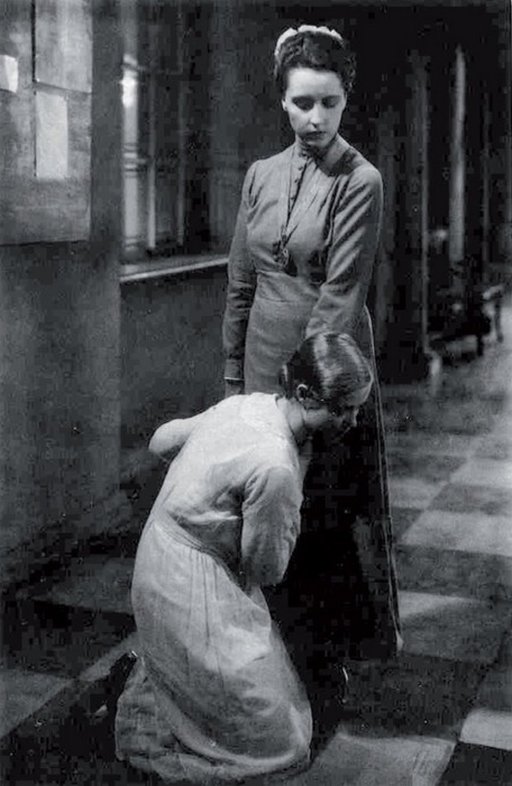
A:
501,147
476,149
408,356
457,173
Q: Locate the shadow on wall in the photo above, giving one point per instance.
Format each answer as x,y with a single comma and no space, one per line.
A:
171,350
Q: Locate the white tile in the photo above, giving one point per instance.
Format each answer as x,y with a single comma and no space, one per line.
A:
380,760
488,727
495,446
412,492
455,531
485,472
452,627
24,692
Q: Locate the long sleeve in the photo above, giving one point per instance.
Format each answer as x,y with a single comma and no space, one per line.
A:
170,437
241,288
355,235
271,524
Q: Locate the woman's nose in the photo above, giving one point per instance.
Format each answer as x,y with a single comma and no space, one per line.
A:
317,115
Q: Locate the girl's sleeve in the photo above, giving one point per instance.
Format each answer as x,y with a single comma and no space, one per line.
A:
355,236
240,294
270,524
169,438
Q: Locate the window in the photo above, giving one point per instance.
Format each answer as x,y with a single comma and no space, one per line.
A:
165,130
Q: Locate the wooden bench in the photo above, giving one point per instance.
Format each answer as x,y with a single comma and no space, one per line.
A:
476,314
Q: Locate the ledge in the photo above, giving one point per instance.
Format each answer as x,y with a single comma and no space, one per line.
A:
170,266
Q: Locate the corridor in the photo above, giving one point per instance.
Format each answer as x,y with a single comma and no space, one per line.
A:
442,714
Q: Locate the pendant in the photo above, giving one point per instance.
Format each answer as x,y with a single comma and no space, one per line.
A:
283,258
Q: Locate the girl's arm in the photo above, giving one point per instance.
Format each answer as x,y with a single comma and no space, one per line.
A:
270,524
170,437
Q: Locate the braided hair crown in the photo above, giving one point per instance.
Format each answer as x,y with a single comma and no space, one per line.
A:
318,48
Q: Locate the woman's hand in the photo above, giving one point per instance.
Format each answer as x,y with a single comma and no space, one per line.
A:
233,387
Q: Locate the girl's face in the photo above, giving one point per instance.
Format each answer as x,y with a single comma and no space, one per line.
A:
314,102
323,418
319,415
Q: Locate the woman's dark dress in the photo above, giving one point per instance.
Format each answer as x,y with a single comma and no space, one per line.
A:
342,574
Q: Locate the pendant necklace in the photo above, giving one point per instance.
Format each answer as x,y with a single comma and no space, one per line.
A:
280,250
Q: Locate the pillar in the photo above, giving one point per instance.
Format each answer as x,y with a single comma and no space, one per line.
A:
457,213
500,162
407,356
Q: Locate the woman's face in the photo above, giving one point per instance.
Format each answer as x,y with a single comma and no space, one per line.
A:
314,102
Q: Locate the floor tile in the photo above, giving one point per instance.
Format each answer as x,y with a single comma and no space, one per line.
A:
402,519
488,727
475,532
505,652
59,641
372,761
415,695
457,497
476,765
24,692
485,472
444,572
412,492
495,692
422,442
452,627
431,468
495,447
95,582
438,416
101,667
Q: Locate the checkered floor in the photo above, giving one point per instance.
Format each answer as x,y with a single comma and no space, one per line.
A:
442,714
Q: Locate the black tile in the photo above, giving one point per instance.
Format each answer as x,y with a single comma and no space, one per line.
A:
63,745
461,498
429,467
477,765
416,695
445,572
58,640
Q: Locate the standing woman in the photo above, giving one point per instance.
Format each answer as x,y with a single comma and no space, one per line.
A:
301,263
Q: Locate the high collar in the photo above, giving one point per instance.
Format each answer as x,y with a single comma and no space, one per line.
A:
327,157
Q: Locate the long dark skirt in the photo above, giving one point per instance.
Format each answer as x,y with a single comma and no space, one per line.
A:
340,592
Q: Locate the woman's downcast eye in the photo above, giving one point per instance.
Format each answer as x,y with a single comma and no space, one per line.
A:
308,103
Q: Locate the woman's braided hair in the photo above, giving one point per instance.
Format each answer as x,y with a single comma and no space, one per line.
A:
313,47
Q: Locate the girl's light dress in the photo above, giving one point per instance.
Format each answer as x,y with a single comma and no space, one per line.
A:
214,697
